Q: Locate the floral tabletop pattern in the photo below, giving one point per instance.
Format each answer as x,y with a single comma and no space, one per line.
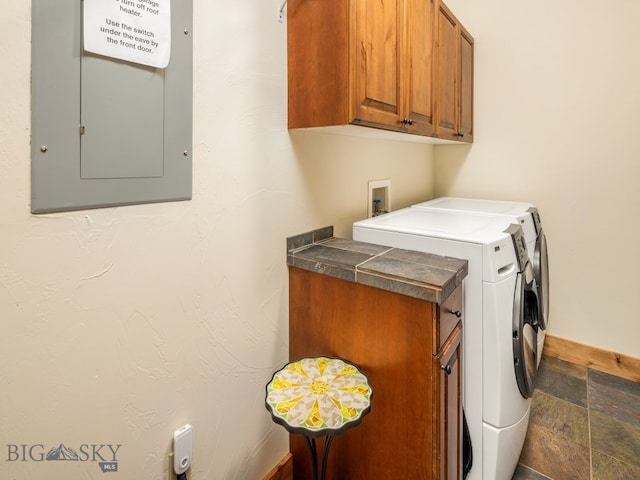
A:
318,396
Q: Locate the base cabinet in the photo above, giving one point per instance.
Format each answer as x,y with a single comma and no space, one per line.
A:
410,350
447,367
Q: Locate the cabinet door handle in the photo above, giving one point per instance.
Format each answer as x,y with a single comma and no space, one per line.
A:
446,369
406,121
457,313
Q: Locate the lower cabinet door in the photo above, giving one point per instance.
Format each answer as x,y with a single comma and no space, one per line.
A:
448,429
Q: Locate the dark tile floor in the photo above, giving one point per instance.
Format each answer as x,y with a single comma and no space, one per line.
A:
584,425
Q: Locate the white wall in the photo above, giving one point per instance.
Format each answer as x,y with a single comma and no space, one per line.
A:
119,325
557,100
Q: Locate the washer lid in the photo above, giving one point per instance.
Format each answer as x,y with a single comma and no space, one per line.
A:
525,332
477,205
472,228
519,212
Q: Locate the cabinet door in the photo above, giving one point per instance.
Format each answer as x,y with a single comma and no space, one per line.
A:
420,66
465,128
388,335
378,40
447,60
448,439
318,42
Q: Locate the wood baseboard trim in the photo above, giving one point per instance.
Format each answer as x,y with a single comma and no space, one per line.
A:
592,357
283,470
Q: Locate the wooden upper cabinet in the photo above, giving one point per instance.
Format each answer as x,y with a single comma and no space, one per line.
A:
377,96
420,49
446,72
361,62
454,78
318,62
394,45
364,62
465,127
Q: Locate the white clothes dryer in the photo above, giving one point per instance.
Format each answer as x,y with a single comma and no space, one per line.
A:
500,311
528,217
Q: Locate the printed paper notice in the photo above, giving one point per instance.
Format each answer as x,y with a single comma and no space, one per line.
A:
133,30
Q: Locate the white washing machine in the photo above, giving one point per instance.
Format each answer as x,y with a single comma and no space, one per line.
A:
528,217
499,318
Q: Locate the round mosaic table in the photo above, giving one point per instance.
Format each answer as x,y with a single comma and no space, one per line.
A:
318,397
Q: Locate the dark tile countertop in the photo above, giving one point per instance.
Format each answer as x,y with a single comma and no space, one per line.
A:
415,274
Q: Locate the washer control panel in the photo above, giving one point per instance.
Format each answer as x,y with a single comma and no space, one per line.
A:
520,244
536,218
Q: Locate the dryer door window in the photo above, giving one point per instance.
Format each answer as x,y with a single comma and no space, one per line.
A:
525,332
541,272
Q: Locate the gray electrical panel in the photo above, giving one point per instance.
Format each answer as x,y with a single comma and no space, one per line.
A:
106,131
